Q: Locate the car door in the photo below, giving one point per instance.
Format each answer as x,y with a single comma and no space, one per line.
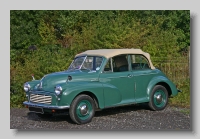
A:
142,74
117,81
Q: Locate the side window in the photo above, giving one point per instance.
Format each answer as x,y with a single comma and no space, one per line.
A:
139,62
120,63
108,67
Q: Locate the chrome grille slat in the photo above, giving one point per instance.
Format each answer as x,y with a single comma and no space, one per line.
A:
38,98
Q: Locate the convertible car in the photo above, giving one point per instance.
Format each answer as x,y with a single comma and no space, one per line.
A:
100,79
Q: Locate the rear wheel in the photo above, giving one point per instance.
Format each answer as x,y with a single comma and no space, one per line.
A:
82,109
158,98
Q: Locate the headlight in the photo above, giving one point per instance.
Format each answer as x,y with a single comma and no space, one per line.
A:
58,89
27,87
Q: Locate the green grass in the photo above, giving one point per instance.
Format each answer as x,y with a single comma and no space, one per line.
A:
183,98
185,111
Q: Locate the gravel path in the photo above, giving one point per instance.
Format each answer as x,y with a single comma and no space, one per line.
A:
132,117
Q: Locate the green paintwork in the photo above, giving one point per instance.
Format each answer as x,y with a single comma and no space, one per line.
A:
161,78
75,88
118,88
141,80
33,83
109,89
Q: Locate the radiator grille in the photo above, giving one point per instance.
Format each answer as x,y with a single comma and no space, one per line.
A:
37,98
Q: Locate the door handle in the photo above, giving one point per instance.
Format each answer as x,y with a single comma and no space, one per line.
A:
130,75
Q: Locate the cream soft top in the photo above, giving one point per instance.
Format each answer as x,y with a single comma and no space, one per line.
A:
108,53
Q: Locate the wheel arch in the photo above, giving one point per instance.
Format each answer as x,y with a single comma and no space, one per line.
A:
160,80
92,95
92,89
164,84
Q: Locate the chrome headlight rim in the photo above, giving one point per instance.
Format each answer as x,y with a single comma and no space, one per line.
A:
27,87
58,90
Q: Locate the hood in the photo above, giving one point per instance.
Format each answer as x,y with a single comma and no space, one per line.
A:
53,79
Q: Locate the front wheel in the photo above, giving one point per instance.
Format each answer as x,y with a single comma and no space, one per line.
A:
82,109
158,98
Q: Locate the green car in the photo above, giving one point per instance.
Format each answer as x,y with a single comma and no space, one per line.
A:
100,79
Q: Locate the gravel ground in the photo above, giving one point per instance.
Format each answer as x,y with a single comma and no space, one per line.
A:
134,117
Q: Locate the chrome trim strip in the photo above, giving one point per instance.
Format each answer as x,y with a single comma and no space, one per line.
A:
143,74
117,77
45,106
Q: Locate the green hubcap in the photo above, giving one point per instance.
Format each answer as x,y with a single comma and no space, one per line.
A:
84,109
159,98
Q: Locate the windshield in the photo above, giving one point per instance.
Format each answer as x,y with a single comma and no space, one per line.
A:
91,63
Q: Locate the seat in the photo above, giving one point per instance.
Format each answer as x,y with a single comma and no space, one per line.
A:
121,63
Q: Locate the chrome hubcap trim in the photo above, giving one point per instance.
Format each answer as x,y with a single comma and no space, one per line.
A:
159,98
83,110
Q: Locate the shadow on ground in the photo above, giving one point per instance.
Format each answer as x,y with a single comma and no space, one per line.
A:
104,112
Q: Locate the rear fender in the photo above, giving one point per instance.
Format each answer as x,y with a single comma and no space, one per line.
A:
169,85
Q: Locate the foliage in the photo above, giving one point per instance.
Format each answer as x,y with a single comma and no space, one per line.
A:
183,98
58,35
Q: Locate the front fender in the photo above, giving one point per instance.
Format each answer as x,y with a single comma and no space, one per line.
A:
33,83
160,80
74,89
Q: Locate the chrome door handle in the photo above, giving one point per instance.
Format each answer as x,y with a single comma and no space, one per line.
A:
129,75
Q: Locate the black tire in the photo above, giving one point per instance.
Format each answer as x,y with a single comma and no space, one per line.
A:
82,109
158,98
45,115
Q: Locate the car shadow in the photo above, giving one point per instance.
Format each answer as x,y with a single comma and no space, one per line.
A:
105,112
122,109
58,118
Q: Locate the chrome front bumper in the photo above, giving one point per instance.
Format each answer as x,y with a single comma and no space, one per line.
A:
45,106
